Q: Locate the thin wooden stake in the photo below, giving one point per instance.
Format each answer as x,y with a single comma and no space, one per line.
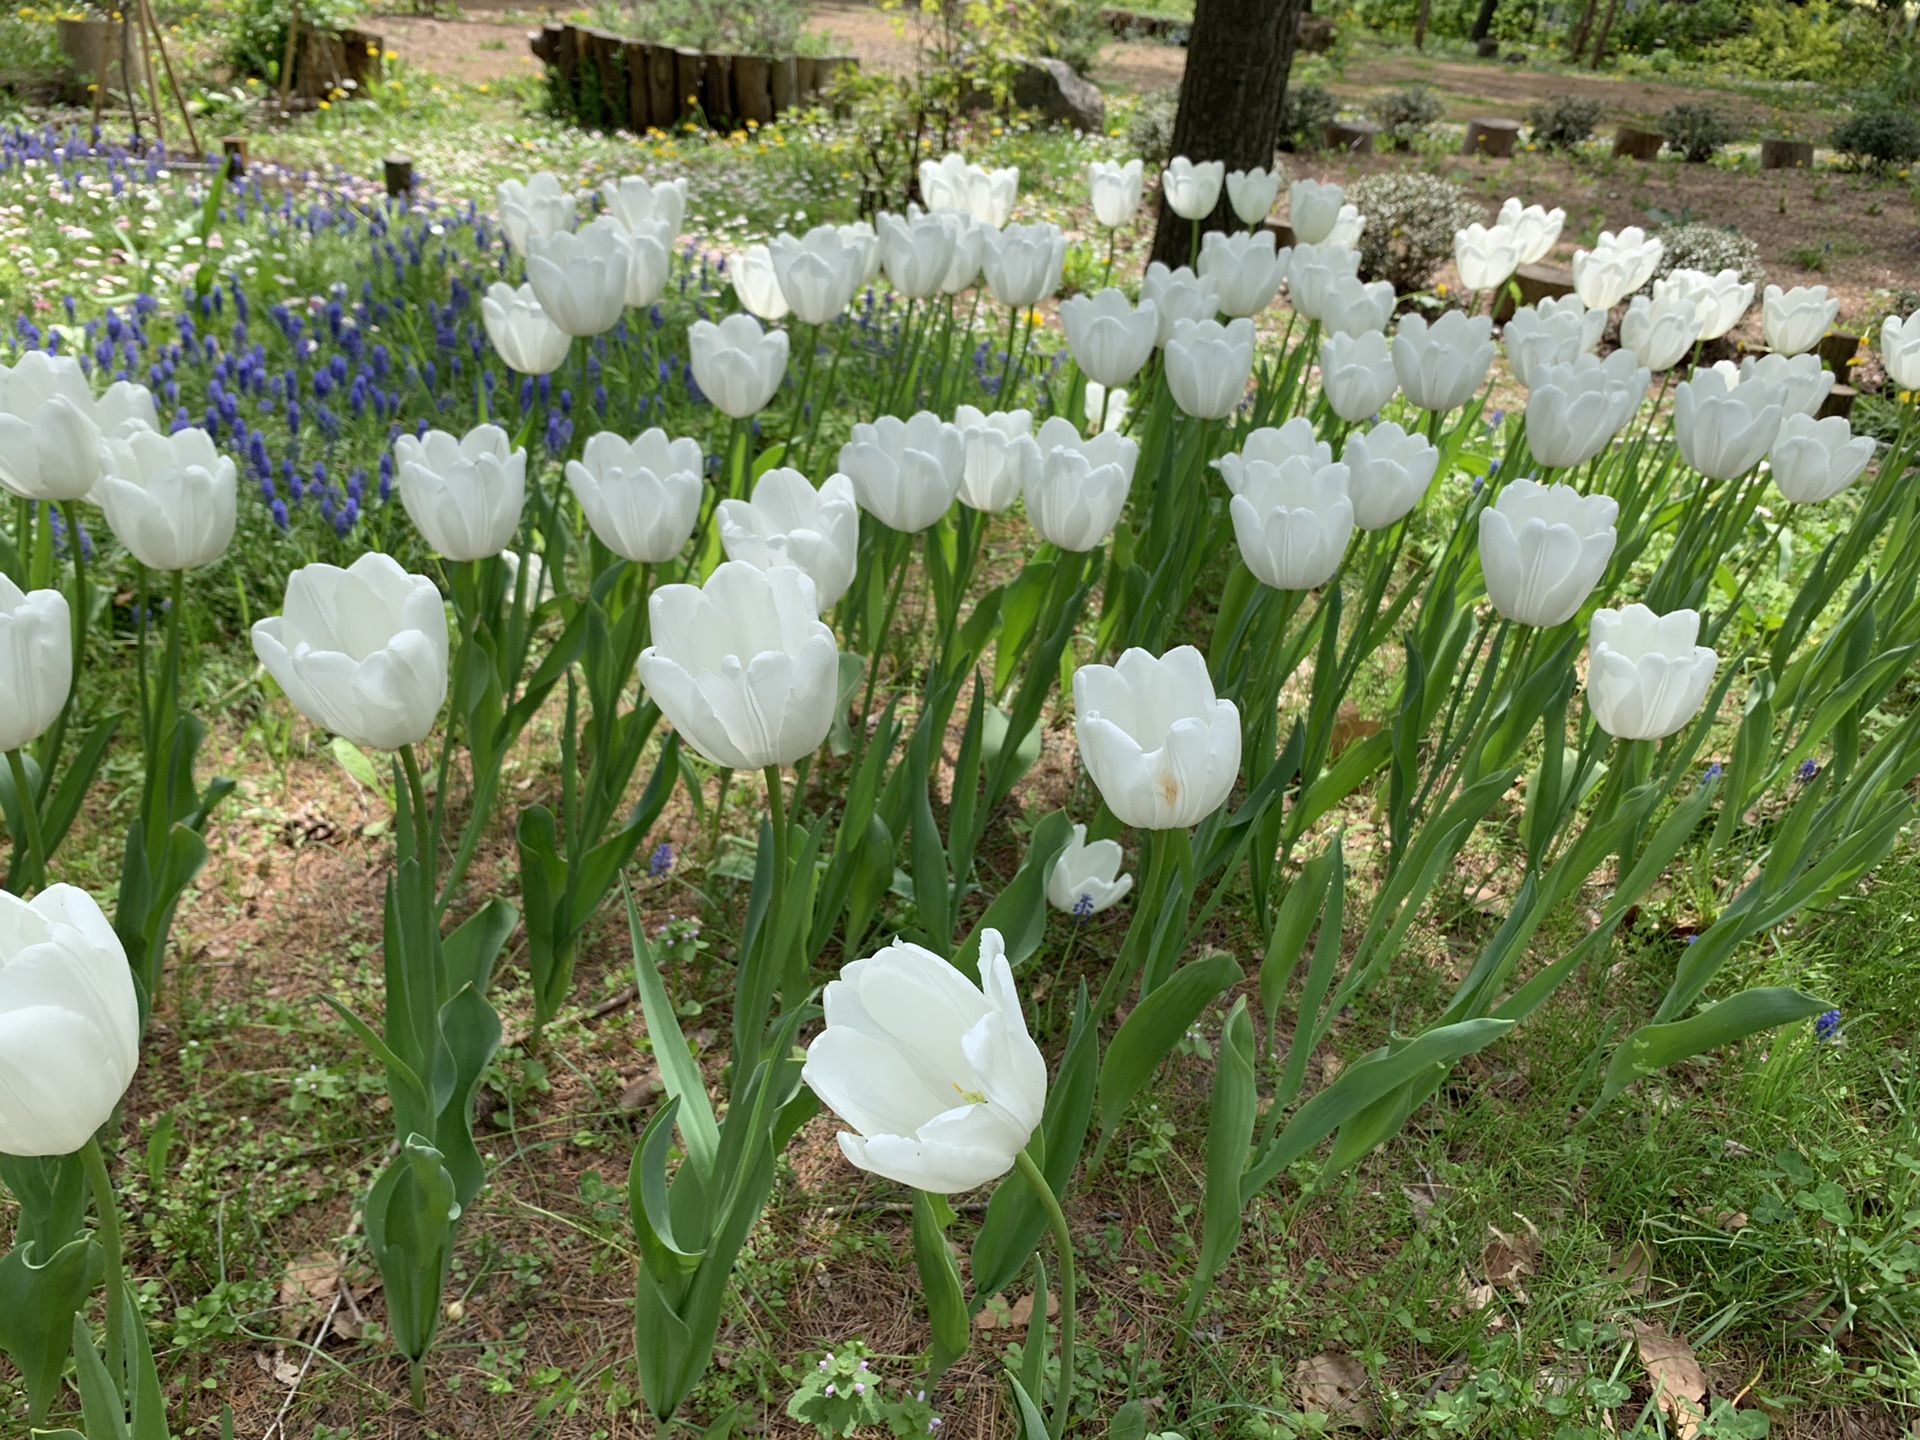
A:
286,61
160,44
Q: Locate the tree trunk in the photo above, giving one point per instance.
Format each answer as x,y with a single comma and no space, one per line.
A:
1606,29
1420,25
1483,22
1578,44
1238,55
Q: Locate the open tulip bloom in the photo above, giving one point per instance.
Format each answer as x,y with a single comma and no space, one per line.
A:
1537,228
51,426
1086,879
1193,191
1209,366
817,275
737,364
1163,752
1357,374
1312,271
1441,365
1252,193
1814,460
1177,295
1646,678
1245,269
170,499
1116,191
1660,332
1804,383
788,522
463,495
640,499
1725,430
1023,263
1486,256
637,203
1576,409
1076,492
906,472
950,183
1795,320
1002,457
526,340
1313,210
1721,300
1543,549
917,252
1109,338
1274,445
1388,472
537,208
580,277
1293,522
1348,306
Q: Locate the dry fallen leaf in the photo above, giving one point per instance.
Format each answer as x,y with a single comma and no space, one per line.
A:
310,1281
642,1088
1335,1386
1350,725
1472,1296
996,1314
1509,1258
1679,1384
1633,1268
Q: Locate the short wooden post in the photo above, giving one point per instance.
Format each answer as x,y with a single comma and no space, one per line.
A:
1637,144
1778,154
1839,402
1355,137
1535,283
663,102
1491,137
234,147
785,80
723,105
806,72
639,97
1836,351
752,89
690,80
399,171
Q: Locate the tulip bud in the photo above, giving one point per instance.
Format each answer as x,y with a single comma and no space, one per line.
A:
1108,337
1209,365
1086,879
1245,270
1900,350
756,286
1075,494
537,209
464,496
1538,228
637,203
1723,430
1293,522
1660,332
361,652
1252,193
1794,320
916,253
1177,295
1023,263
51,426
1442,364
69,1021
36,663
170,499
1803,381
906,472
742,666
1349,307
1486,256
1543,548
736,364
1274,445
1388,472
1814,460
1116,191
1576,410
1646,678
1617,266
1002,457
1312,272
937,1076
1313,209
1162,750
641,499
527,340
819,274
580,279
788,522
1357,374
1720,300
952,184
1193,190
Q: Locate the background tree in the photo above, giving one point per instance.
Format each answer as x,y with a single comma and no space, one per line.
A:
1239,53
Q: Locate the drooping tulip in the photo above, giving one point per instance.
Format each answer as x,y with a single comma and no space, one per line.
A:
756,285
69,1021
737,364
1313,209
1357,374
1646,676
1117,190
1388,471
36,662
1086,879
1660,332
1023,263
361,652
1313,271
1252,193
1245,269
1177,295
1804,382
1441,364
641,499
1724,430
742,666
1163,752
1617,266
1486,256
1794,321
1002,457
1209,365
1293,522
817,275
1543,548
537,208
1575,410
938,1077
1274,445
1075,494
788,522
1721,300
1537,227
916,253
906,472
170,499
1354,307
1900,350
463,495
580,277
1109,338
1814,460
1193,191
635,202
1551,333
51,426
525,338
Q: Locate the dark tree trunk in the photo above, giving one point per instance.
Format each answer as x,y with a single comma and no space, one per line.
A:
1238,56
1606,29
1483,22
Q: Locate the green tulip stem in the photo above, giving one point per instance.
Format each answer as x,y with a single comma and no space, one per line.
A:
1193,250
23,521
140,593
1113,245
170,681
877,644
417,1385
119,1302
800,395
777,822
826,396
1063,1243
424,840
1146,912
719,809
34,871
82,597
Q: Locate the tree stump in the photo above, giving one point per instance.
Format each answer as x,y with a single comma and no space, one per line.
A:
399,175
1786,154
1535,283
1491,137
1839,402
1637,144
785,80
1282,233
752,89
234,147
690,78
663,98
1836,351
1355,137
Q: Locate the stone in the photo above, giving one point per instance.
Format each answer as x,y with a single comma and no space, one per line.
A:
1054,89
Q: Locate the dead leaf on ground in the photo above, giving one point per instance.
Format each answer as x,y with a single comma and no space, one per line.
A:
1424,1196
642,1088
310,1281
1509,1258
1679,1384
1335,1386
1633,1268
1473,1297
996,1314
1350,725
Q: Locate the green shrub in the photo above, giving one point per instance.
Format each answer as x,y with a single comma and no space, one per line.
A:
1405,114
1150,126
1564,121
1711,248
1875,139
254,32
1304,117
1411,220
1696,131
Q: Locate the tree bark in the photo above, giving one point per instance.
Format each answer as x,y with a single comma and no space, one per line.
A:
1606,29
1483,22
1239,53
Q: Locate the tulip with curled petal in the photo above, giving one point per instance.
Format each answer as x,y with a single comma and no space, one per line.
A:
944,184
648,244
635,202
756,285
1313,209
1900,350
1357,374
1575,410
817,275
1814,460
1388,471
1086,879
737,364
1023,263
580,277
938,1076
1116,190
1617,266
1162,751
1646,676
788,522
535,209
463,496
1804,382
1274,445
1245,269
1660,332
743,666
1209,365
1353,307
69,1022
1793,321
1001,457
916,252
525,338
1486,256
1537,227
1193,191
1293,521
1537,337
1721,299
906,472
170,499
1177,295
641,498
36,662
1312,272
51,426
1441,364
1542,550
1109,338
1075,495
361,652
1725,430
1251,193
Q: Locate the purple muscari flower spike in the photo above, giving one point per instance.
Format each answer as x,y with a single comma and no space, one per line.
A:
280,513
1083,909
661,862
1714,772
1827,1026
1805,774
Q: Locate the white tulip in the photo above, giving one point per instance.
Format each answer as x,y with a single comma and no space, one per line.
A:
1293,522
1900,350
536,209
1617,266
1313,210
1347,229
1721,299
641,499
858,235
170,499
1193,190
953,184
1353,307
361,652
648,247
1814,460
1075,495
1312,273
1538,228
818,275
525,338
1442,364
1162,750
1646,678
1553,333
756,285
906,472
36,662
1794,321
1209,366
464,496
1388,472
1543,548
937,1076
1177,295
1252,193
1110,404
970,241
1486,256
1109,338
1804,382
638,203
737,364
1245,269
788,522
1660,332
1116,191
1575,410
1357,374
51,426
1724,430
580,277
1086,879
1274,445
1002,457
916,253
1023,263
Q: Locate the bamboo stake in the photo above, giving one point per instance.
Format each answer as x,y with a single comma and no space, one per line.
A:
160,44
286,61
153,85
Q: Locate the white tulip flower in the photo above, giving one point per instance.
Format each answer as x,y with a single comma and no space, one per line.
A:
1163,752
1116,191
580,277
1209,366
1646,676
1388,472
1441,364
1357,374
906,472
641,498
1109,338
36,662
737,364
1075,495
1814,460
170,499
1193,191
1086,879
521,333
1794,321
1002,457
788,522
463,495
1543,549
